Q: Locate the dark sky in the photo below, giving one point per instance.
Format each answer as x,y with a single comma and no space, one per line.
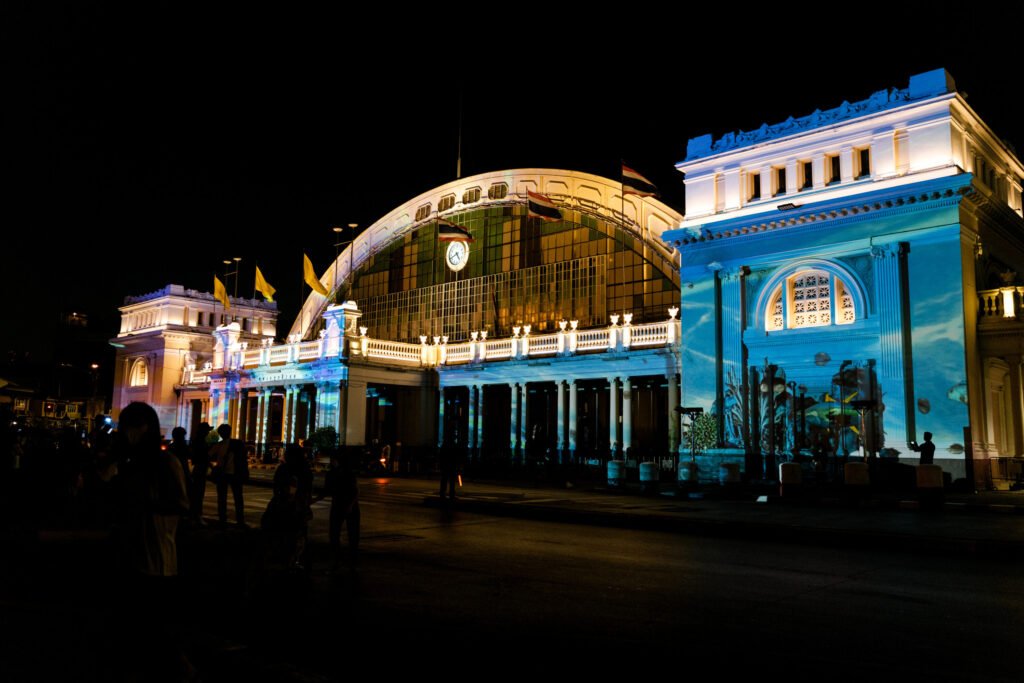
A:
143,148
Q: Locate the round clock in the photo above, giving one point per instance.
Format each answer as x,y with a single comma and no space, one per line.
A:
457,255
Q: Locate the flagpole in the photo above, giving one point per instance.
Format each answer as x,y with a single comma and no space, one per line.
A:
252,302
302,310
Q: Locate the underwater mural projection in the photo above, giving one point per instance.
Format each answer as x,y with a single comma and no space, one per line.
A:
940,384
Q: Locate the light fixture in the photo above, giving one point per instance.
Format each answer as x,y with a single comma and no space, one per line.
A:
788,206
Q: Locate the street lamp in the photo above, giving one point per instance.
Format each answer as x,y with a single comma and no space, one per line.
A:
337,231
227,264
842,406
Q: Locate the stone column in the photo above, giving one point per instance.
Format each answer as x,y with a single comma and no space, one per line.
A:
440,417
264,420
293,428
1016,405
895,369
627,419
561,422
573,389
258,436
243,414
614,452
480,417
523,427
513,418
471,418
311,424
285,408
673,416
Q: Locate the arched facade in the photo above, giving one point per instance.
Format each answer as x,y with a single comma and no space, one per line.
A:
497,343
604,256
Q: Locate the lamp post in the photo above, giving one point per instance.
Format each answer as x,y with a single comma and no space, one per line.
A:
842,406
769,465
337,232
227,264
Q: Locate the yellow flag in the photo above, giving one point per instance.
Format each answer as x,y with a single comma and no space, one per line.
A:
220,293
263,287
310,276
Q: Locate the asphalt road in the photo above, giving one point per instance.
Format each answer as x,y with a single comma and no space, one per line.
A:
459,593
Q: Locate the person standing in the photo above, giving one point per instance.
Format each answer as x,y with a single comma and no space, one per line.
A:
151,498
341,485
449,468
232,467
927,449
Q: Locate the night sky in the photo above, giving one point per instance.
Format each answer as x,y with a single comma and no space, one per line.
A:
143,148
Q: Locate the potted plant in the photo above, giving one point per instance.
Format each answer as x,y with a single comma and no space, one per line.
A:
702,434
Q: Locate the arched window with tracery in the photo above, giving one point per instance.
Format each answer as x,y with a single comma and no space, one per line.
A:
139,376
810,298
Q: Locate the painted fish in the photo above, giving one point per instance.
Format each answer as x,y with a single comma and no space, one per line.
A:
924,406
822,359
958,392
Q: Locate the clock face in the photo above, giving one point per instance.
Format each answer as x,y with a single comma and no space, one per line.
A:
457,255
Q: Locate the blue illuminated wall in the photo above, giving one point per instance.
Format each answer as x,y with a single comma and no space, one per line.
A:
901,262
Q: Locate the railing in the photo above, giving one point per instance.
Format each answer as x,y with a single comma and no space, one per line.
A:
592,340
653,334
279,354
309,351
543,344
1005,302
459,353
993,304
497,349
396,351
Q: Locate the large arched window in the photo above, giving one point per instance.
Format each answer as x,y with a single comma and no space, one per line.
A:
810,298
139,376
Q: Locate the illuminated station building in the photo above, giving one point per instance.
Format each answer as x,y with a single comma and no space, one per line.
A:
841,281
538,336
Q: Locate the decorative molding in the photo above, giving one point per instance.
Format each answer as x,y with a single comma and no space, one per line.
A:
879,101
818,219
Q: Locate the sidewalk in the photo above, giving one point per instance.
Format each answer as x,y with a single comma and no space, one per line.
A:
982,523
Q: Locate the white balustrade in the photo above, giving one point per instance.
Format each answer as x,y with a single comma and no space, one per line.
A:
992,304
651,334
498,349
592,340
543,344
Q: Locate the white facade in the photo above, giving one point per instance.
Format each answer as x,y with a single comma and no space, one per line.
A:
166,333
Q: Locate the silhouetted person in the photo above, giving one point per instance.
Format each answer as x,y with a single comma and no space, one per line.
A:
927,449
200,470
283,524
232,470
449,461
151,499
296,470
179,448
341,485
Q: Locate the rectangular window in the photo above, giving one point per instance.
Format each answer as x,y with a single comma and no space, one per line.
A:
447,202
863,162
423,212
780,181
755,186
833,169
807,173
